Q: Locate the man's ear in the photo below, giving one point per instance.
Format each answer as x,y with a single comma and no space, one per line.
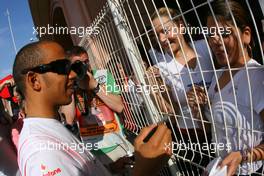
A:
246,36
33,81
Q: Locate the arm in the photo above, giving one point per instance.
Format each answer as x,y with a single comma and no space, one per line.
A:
113,101
197,99
158,91
2,85
151,156
8,163
7,118
234,159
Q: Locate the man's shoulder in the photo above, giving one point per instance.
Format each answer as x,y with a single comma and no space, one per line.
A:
37,137
45,160
49,149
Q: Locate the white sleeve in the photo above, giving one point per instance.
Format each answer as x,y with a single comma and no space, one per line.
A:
257,87
51,162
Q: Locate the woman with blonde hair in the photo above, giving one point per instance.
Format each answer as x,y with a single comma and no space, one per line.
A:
182,65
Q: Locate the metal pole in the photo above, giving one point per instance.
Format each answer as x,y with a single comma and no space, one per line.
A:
11,31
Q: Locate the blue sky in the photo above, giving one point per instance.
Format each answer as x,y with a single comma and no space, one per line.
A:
22,25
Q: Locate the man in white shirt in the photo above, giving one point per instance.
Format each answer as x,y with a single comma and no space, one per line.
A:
45,80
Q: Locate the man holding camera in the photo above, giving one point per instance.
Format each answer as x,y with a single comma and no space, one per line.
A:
46,79
98,101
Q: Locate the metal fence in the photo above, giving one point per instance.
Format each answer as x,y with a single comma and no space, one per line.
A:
129,46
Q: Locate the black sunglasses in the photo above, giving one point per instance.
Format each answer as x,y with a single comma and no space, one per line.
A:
61,67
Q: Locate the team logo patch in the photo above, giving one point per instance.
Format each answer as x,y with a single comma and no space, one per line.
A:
46,172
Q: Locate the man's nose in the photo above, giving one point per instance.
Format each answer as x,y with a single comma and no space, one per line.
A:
72,75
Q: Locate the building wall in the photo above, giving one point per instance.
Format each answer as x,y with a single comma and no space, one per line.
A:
78,14
81,13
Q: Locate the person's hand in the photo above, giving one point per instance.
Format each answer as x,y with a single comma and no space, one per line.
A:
154,70
92,82
151,156
119,166
10,82
232,161
153,76
88,82
196,96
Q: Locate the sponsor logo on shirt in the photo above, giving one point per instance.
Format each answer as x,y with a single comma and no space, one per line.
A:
46,172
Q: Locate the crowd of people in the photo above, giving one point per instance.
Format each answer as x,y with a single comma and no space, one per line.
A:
62,117
230,98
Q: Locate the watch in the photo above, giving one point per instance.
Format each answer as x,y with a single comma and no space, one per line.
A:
244,154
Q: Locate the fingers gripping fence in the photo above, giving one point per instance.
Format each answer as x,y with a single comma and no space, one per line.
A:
207,89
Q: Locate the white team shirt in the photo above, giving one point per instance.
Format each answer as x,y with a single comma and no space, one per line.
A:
177,77
233,128
47,148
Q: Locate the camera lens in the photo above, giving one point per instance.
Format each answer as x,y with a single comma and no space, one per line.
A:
80,69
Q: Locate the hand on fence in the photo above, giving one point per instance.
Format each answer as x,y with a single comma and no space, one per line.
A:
154,69
196,98
159,96
153,76
232,161
11,82
151,156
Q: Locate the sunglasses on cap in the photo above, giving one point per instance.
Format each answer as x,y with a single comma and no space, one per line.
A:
61,67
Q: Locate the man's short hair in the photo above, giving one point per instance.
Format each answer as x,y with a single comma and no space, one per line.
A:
75,51
29,56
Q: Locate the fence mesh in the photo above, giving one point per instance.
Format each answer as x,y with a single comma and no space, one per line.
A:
211,109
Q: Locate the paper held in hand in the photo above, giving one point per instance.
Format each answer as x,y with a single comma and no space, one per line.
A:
213,168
